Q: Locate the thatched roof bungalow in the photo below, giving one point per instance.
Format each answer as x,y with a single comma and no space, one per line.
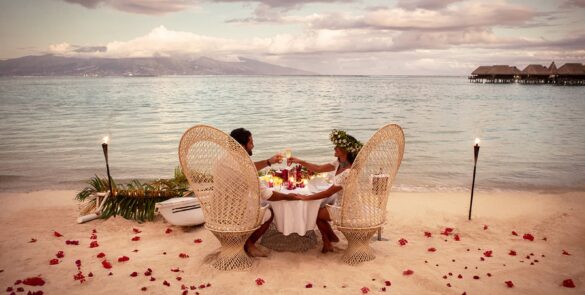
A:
495,74
535,70
571,69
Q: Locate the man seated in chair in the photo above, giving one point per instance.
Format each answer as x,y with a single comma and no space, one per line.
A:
244,137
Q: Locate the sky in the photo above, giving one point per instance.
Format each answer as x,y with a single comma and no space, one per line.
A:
331,37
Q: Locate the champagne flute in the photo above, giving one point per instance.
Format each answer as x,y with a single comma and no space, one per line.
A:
287,155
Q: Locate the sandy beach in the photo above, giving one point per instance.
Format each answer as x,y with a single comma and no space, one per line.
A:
476,257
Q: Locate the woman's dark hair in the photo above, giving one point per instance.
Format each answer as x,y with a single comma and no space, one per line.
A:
351,157
241,135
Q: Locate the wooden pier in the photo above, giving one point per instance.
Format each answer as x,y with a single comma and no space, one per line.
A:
572,74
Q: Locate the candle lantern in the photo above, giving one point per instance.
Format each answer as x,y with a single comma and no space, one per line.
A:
105,149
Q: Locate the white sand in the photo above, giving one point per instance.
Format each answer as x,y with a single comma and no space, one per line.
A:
560,218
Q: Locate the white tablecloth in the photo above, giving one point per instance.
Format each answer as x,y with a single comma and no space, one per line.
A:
295,216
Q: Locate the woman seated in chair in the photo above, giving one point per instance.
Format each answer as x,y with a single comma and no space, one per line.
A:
346,150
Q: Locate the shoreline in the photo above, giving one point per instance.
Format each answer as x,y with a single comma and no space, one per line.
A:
554,220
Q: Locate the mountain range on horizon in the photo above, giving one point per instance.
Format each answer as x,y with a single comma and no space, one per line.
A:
52,65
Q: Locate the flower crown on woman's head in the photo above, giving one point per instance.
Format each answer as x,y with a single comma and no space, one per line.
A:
341,139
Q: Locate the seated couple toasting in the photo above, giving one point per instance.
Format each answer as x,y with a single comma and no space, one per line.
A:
346,148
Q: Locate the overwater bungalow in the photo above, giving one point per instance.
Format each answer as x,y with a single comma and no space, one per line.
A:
568,74
495,74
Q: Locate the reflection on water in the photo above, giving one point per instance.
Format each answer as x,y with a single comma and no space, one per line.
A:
532,135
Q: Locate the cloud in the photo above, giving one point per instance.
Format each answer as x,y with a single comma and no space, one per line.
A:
472,14
150,7
425,4
285,3
574,3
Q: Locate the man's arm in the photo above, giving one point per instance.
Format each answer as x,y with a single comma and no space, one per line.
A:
265,163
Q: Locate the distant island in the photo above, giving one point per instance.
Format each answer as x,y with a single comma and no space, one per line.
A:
52,65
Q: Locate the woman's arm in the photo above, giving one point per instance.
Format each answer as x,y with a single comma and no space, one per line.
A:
312,167
320,195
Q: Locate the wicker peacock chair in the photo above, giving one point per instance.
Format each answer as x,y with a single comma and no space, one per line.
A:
361,210
224,178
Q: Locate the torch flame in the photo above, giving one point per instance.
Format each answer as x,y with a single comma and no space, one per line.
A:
106,139
477,141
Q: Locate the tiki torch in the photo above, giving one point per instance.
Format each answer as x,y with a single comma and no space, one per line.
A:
105,149
475,154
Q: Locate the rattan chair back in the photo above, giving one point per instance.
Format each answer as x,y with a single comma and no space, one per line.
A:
223,177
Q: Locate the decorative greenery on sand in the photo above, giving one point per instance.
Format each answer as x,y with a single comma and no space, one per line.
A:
134,200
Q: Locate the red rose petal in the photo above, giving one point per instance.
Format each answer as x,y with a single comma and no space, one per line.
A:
93,231
309,285
260,281
175,269
136,238
136,231
123,258
387,283
514,234
90,274
101,255
106,264
459,276
78,264
457,238
179,278
528,237
94,244
568,283
32,240
565,253
509,284
33,281
402,242
487,253
53,261
365,290
512,253
79,277
135,250
432,249
168,231
476,277
183,255
447,231
407,272
134,274
60,254
428,234
57,234
72,242
197,241
143,289
383,289
93,237
166,283
485,227
9,289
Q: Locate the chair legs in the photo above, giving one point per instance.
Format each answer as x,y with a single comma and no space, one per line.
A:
358,245
232,255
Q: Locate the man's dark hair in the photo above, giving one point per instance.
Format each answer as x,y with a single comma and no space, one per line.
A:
241,135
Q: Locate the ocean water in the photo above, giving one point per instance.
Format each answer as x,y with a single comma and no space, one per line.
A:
532,136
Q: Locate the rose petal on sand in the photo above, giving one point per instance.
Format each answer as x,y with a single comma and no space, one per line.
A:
78,264
476,277
60,254
93,237
134,274
197,241
175,269
431,249
457,238
485,227
136,231
566,253
407,272
143,288
528,237
136,238
106,264
509,284
183,255
57,234
123,258
428,234
365,290
53,261
33,281
32,240
487,253
166,283
402,242
514,233
79,277
512,253
388,283
94,244
101,255
568,283
309,285
260,281
178,278
168,231
447,231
